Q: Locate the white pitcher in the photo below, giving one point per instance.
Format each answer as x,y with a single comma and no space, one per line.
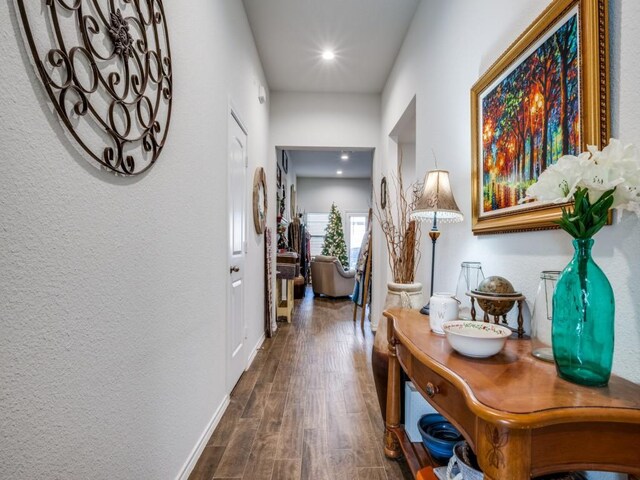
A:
443,307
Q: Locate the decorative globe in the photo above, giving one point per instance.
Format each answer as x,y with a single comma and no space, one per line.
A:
495,285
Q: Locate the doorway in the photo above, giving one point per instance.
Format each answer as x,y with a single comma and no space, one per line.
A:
355,231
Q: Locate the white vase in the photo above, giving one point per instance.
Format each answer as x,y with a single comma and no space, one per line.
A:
443,307
404,295
399,295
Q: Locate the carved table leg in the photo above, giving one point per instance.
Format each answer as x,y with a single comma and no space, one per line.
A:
391,445
473,309
503,453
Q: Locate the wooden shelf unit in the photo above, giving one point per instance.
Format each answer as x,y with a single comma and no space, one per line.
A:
415,453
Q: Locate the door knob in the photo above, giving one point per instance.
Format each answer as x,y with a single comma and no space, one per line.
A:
234,269
431,390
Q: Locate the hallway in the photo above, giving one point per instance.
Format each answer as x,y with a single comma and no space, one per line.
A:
307,406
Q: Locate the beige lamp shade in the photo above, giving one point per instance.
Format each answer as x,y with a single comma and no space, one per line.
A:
437,199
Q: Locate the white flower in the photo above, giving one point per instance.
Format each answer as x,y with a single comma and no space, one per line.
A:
559,181
605,171
616,166
598,179
627,194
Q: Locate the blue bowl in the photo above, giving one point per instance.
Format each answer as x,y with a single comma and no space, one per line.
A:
438,435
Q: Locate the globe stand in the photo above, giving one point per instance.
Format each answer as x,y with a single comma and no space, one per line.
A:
518,332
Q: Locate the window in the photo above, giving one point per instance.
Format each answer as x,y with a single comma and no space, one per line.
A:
316,226
357,229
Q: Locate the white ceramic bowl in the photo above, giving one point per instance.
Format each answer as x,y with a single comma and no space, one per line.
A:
475,339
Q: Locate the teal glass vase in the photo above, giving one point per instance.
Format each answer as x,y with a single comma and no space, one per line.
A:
582,329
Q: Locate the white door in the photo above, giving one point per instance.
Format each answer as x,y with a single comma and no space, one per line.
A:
236,330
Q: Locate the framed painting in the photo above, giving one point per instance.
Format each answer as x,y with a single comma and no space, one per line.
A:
546,96
383,193
278,176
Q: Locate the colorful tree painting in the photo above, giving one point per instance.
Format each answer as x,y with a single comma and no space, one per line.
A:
531,118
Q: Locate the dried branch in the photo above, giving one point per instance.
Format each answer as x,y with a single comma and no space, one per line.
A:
402,234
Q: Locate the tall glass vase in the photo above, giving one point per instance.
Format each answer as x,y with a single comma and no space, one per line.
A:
470,277
542,315
582,326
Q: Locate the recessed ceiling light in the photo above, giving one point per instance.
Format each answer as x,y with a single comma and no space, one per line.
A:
328,55
344,156
339,172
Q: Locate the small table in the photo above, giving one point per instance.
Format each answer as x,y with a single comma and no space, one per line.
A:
284,306
520,418
287,269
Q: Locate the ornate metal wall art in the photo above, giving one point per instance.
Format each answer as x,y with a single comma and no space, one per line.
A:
106,67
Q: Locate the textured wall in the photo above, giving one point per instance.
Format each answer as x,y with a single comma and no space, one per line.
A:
446,50
112,291
350,194
449,45
324,119
331,120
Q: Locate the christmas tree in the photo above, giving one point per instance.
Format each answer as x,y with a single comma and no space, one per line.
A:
334,244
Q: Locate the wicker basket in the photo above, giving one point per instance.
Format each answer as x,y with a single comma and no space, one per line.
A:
460,465
463,466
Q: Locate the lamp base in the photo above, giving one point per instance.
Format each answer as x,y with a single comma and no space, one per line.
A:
425,310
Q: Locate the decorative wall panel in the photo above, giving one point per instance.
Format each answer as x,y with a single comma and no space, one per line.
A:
106,68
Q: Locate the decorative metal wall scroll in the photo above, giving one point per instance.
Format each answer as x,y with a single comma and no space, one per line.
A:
106,66
259,199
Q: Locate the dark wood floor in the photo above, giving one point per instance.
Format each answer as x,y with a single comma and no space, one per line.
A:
306,408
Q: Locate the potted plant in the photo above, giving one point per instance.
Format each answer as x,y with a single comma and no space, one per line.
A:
582,327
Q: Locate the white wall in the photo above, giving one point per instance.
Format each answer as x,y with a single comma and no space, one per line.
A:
112,292
324,119
446,50
449,45
349,194
331,120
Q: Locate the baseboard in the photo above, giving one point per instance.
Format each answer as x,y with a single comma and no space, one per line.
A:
254,352
202,443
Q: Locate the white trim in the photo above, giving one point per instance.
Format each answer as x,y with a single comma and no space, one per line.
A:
347,230
254,352
202,442
233,111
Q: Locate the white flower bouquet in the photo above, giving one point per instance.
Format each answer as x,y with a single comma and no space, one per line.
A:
596,181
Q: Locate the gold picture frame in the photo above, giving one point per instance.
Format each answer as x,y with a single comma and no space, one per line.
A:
590,94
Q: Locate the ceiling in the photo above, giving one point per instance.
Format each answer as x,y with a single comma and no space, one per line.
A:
325,163
365,35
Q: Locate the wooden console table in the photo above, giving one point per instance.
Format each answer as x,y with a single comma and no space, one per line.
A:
519,417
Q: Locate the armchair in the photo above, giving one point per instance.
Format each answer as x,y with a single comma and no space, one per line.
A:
330,279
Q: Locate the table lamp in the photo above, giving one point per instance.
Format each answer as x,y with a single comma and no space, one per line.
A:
436,202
